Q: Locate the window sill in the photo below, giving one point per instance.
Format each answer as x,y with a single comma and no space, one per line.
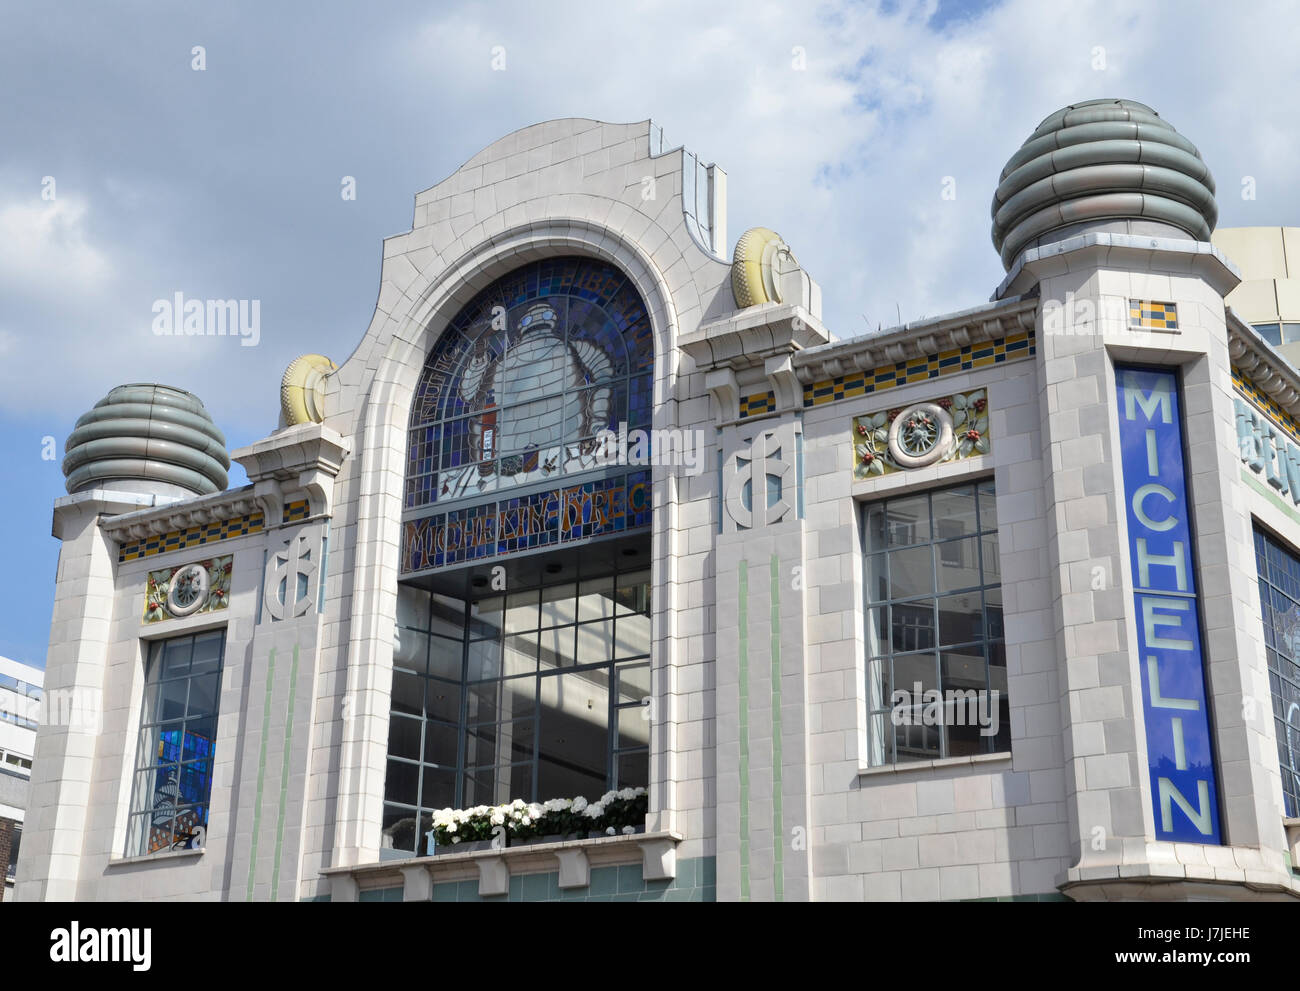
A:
656,852
937,764
152,858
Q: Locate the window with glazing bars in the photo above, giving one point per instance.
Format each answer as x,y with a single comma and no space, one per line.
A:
174,752
936,658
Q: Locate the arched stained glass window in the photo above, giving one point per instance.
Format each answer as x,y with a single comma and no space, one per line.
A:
525,377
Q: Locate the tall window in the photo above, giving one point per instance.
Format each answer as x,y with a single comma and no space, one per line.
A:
1279,601
936,659
534,694
178,728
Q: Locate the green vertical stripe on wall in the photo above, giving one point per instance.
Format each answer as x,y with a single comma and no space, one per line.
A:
778,829
744,731
284,775
261,773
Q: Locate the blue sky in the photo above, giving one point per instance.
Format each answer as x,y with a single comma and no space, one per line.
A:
224,183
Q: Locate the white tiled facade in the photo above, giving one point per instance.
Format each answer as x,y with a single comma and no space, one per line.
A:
759,771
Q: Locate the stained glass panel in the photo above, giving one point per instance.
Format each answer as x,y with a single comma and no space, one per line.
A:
546,357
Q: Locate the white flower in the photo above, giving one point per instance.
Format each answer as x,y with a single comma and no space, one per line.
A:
627,794
451,827
609,831
525,821
455,839
579,804
498,819
629,830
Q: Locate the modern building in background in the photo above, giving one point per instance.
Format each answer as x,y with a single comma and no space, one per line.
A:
1268,297
20,712
997,605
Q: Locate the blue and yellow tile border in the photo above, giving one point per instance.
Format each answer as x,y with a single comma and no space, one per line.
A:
207,533
1266,404
963,359
1147,314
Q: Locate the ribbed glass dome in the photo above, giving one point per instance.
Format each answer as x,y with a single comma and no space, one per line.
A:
147,438
1096,161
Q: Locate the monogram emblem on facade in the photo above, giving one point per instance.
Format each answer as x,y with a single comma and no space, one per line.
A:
760,480
291,581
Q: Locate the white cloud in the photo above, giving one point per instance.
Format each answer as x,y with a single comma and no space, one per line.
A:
45,247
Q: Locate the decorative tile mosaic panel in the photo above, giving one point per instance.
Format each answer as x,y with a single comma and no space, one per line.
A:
1145,314
1267,404
195,536
188,589
962,359
925,436
595,509
207,533
760,402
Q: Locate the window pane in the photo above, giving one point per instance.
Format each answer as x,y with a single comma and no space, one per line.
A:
595,642
574,736
408,693
908,520
439,790
557,648
633,593
207,652
632,726
559,604
403,737
1271,332
176,657
412,607
954,512
911,572
410,649
486,617
912,626
484,660
442,700
960,618
402,782
172,696
959,564
203,694
520,653
596,599
440,741
633,682
521,611
445,658
632,636
633,770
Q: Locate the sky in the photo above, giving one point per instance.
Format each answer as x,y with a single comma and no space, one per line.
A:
870,135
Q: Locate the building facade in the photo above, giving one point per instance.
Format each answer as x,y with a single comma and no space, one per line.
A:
20,713
1001,604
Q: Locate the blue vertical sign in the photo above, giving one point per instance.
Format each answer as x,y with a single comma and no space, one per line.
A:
1184,792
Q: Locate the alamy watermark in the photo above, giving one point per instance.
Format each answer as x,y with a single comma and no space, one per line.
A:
673,448
181,317
954,707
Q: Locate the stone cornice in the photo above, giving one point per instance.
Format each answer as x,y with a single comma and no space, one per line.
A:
749,337
1255,358
215,508
916,340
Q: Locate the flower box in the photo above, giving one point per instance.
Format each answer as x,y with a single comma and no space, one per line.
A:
521,823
